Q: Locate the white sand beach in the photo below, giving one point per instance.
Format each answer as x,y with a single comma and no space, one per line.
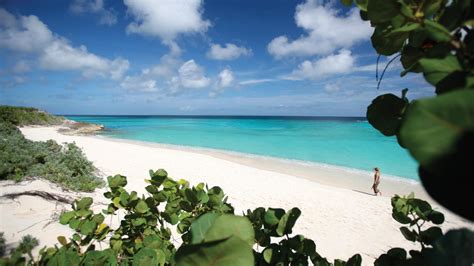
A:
338,211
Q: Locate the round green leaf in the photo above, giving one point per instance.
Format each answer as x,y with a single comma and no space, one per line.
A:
231,251
84,203
286,223
435,69
65,217
385,113
382,10
431,127
408,234
200,227
227,225
141,207
436,217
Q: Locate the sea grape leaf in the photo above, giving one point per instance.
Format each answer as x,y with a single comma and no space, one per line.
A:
200,227
408,234
385,113
382,10
436,217
65,217
273,216
117,181
430,235
226,225
456,247
287,222
145,257
388,43
99,258
231,251
84,203
435,69
431,127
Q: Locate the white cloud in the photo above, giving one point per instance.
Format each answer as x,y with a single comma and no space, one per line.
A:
166,18
23,34
326,31
340,63
191,75
228,52
256,81
171,76
138,84
107,16
225,78
29,35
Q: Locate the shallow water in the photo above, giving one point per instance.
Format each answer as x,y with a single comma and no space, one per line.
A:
346,142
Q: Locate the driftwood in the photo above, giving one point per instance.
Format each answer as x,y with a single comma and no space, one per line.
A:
41,194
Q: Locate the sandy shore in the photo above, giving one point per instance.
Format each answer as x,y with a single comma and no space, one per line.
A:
338,212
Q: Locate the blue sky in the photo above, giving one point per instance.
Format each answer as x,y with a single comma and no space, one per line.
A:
191,57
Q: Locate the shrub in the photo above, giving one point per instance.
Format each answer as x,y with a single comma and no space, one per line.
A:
65,165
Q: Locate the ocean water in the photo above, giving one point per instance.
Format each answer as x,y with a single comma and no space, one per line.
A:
344,142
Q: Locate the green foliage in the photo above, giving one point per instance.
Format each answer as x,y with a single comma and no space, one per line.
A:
272,228
454,248
435,38
27,116
2,245
17,255
144,234
386,112
65,165
218,240
211,234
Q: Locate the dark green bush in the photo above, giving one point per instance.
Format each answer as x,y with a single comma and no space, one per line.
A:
65,165
27,116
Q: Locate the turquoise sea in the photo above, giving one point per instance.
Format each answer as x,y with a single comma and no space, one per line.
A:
340,141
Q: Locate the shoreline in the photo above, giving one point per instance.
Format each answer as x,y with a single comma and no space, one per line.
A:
342,219
326,174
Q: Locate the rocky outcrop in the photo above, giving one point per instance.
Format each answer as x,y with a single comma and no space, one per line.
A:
80,128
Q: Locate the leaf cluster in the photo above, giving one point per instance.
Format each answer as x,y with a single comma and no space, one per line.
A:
434,38
436,248
273,227
144,236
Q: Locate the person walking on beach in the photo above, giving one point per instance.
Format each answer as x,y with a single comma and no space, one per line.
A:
376,181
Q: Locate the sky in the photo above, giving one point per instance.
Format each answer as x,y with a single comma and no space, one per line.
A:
192,57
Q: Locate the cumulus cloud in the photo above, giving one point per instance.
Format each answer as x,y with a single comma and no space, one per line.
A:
27,35
108,16
327,30
166,18
228,52
191,75
225,79
171,76
339,63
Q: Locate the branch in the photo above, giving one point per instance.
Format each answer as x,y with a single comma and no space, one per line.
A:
42,194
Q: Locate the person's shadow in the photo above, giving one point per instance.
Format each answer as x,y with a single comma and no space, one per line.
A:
363,192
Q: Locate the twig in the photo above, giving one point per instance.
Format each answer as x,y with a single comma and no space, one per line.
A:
42,194
385,69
